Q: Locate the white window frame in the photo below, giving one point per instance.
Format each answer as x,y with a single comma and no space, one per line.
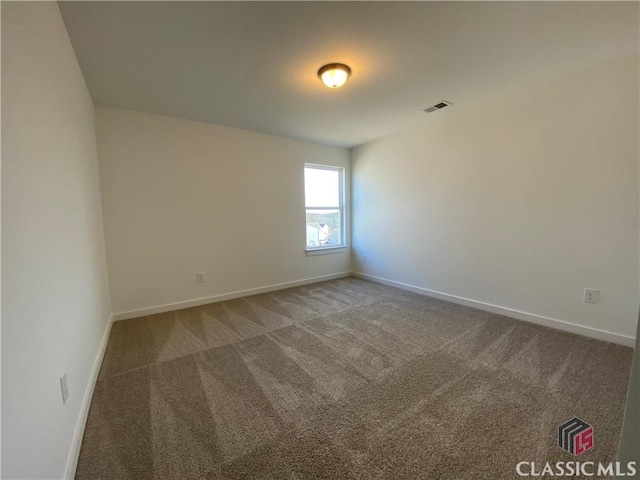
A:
343,234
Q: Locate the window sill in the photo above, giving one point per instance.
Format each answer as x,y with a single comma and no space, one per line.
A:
325,250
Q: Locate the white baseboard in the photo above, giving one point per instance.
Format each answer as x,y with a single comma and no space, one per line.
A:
225,296
74,452
509,312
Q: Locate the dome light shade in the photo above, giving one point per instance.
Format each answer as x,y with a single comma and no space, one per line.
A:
334,75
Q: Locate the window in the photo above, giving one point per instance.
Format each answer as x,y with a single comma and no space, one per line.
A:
324,201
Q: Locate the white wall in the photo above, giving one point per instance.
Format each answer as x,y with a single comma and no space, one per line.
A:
182,197
55,298
519,203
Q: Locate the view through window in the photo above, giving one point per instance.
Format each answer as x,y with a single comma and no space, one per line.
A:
323,188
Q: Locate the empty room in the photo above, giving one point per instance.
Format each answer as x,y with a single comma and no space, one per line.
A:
320,240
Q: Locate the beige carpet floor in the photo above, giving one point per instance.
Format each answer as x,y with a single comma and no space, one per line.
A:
344,379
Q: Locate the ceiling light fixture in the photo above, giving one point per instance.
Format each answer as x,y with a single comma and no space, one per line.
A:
334,75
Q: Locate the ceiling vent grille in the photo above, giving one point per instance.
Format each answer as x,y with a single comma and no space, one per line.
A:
437,106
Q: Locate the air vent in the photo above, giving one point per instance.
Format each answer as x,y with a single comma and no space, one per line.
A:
437,106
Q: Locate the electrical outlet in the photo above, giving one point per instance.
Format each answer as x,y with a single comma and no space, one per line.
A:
64,388
591,295
200,277
364,259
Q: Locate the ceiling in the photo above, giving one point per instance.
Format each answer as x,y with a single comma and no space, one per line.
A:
253,65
